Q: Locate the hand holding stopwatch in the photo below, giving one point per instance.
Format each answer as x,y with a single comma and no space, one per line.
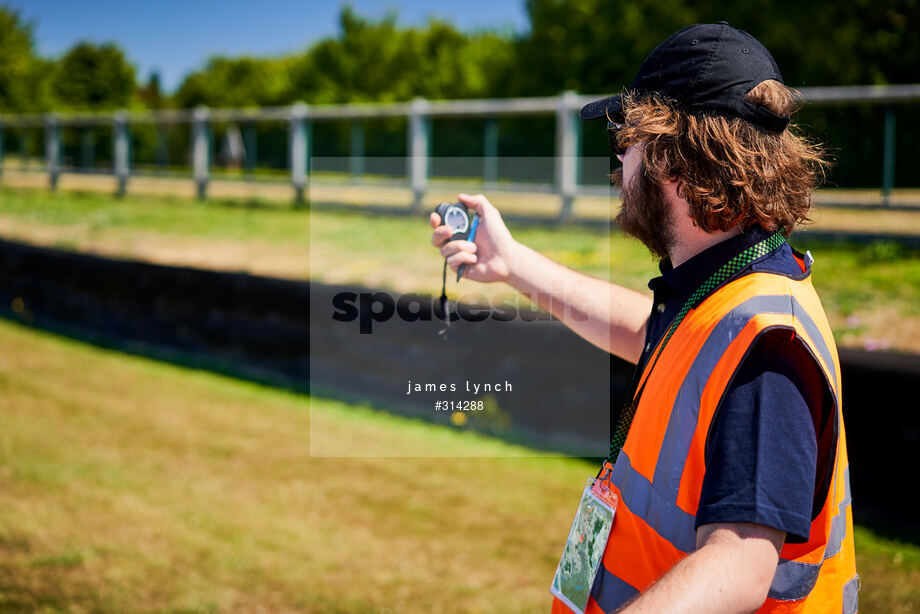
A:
457,217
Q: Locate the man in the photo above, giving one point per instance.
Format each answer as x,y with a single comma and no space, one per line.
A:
732,481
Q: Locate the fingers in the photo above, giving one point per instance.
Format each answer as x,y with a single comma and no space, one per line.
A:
441,234
434,219
477,203
449,249
462,257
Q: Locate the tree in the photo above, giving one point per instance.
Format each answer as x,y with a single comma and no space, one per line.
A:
591,46
24,86
94,77
824,42
236,82
151,95
380,61
595,46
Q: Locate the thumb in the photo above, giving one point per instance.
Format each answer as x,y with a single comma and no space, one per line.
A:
478,203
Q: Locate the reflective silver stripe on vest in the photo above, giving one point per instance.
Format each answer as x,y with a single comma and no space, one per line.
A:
610,592
663,516
851,596
686,409
803,318
794,579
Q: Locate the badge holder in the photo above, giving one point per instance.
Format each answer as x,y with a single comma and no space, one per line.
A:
586,543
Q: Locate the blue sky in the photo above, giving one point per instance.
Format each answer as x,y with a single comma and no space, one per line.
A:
175,37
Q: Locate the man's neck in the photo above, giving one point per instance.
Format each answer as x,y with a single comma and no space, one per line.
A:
691,240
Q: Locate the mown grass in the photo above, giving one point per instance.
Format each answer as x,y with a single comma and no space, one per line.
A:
128,485
95,213
871,292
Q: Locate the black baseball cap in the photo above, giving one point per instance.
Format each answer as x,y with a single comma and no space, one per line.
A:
705,68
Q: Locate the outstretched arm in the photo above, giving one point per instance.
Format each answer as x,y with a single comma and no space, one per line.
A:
609,316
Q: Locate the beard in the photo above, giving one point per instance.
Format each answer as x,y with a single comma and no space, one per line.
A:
644,212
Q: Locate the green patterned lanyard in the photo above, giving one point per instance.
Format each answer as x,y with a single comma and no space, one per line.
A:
725,272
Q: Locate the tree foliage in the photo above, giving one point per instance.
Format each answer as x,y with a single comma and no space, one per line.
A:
379,61
591,46
237,82
597,46
151,94
92,76
23,83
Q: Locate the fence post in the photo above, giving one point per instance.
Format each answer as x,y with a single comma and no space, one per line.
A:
300,147
356,151
200,150
567,146
888,155
490,146
419,137
120,145
52,150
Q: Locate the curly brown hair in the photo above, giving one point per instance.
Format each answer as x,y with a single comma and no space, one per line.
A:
729,171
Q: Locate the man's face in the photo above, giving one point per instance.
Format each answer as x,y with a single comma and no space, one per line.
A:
644,213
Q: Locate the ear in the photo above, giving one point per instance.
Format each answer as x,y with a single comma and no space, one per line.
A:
682,197
673,191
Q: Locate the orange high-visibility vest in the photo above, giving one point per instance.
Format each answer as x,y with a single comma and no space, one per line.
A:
659,473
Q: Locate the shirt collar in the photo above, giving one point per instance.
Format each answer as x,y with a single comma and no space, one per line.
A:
690,275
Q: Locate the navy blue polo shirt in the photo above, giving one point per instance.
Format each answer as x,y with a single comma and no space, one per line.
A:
770,449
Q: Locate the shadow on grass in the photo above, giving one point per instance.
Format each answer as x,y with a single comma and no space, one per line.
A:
874,518
883,526
228,367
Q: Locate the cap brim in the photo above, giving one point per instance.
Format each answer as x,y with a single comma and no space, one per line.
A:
611,106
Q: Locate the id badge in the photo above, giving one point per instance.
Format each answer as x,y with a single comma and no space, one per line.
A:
585,545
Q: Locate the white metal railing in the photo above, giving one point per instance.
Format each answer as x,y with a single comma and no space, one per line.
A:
418,112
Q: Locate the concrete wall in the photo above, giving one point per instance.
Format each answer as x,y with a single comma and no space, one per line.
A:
284,332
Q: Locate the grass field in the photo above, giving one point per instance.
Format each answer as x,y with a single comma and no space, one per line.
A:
871,292
133,486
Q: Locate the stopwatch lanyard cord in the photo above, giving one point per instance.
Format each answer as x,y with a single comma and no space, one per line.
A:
442,301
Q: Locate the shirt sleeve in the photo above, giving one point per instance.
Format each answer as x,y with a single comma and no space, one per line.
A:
762,453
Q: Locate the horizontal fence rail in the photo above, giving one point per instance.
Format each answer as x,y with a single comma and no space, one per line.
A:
418,114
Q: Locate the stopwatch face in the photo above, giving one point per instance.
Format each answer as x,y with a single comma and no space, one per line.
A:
457,219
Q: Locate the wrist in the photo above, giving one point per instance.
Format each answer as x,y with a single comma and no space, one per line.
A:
516,260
